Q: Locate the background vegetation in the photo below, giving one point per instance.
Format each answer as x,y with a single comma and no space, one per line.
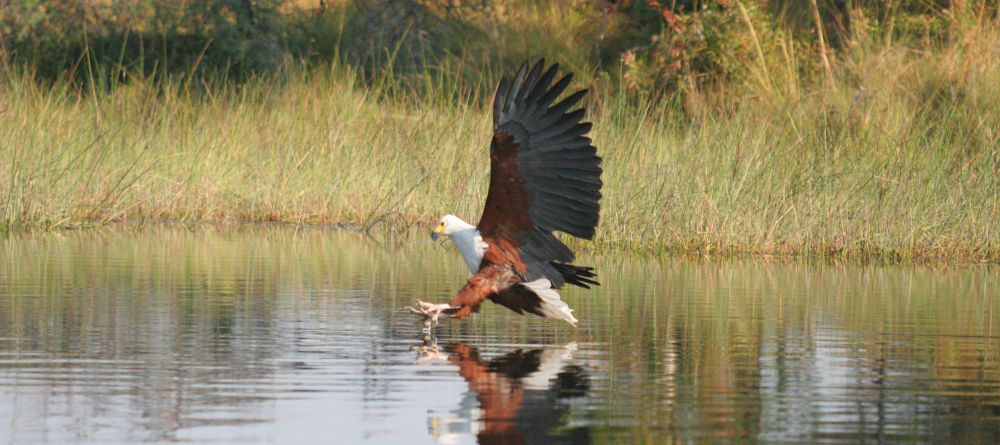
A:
851,128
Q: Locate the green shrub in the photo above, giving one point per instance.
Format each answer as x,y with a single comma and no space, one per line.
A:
53,38
705,47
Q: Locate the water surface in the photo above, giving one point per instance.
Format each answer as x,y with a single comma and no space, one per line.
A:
272,335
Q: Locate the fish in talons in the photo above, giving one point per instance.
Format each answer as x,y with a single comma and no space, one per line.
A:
431,313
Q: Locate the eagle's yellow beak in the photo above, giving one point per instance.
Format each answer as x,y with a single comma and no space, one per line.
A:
437,232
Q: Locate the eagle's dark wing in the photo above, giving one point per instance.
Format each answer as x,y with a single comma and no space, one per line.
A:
545,175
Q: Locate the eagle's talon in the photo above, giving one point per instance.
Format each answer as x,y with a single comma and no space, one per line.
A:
430,312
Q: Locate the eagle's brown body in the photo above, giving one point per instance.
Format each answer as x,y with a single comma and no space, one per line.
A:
501,269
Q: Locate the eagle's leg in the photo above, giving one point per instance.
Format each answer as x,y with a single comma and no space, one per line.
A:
431,312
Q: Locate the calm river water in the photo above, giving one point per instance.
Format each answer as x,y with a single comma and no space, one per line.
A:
271,335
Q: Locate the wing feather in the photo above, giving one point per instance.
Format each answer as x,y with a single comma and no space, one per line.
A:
554,92
515,90
540,89
555,113
503,90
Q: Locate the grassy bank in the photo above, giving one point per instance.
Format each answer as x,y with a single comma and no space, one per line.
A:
832,173
895,155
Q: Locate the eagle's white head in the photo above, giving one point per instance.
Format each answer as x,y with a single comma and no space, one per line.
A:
465,236
450,225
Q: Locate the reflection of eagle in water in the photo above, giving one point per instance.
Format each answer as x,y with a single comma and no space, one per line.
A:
522,397
545,176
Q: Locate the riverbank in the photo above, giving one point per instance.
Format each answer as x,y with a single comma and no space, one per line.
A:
863,173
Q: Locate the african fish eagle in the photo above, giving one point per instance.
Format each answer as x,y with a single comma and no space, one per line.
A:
545,176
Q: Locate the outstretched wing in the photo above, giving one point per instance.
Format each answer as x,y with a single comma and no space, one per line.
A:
545,174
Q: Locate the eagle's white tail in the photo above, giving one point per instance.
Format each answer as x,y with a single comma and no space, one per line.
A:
551,305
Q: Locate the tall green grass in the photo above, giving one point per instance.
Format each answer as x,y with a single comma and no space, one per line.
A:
899,159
